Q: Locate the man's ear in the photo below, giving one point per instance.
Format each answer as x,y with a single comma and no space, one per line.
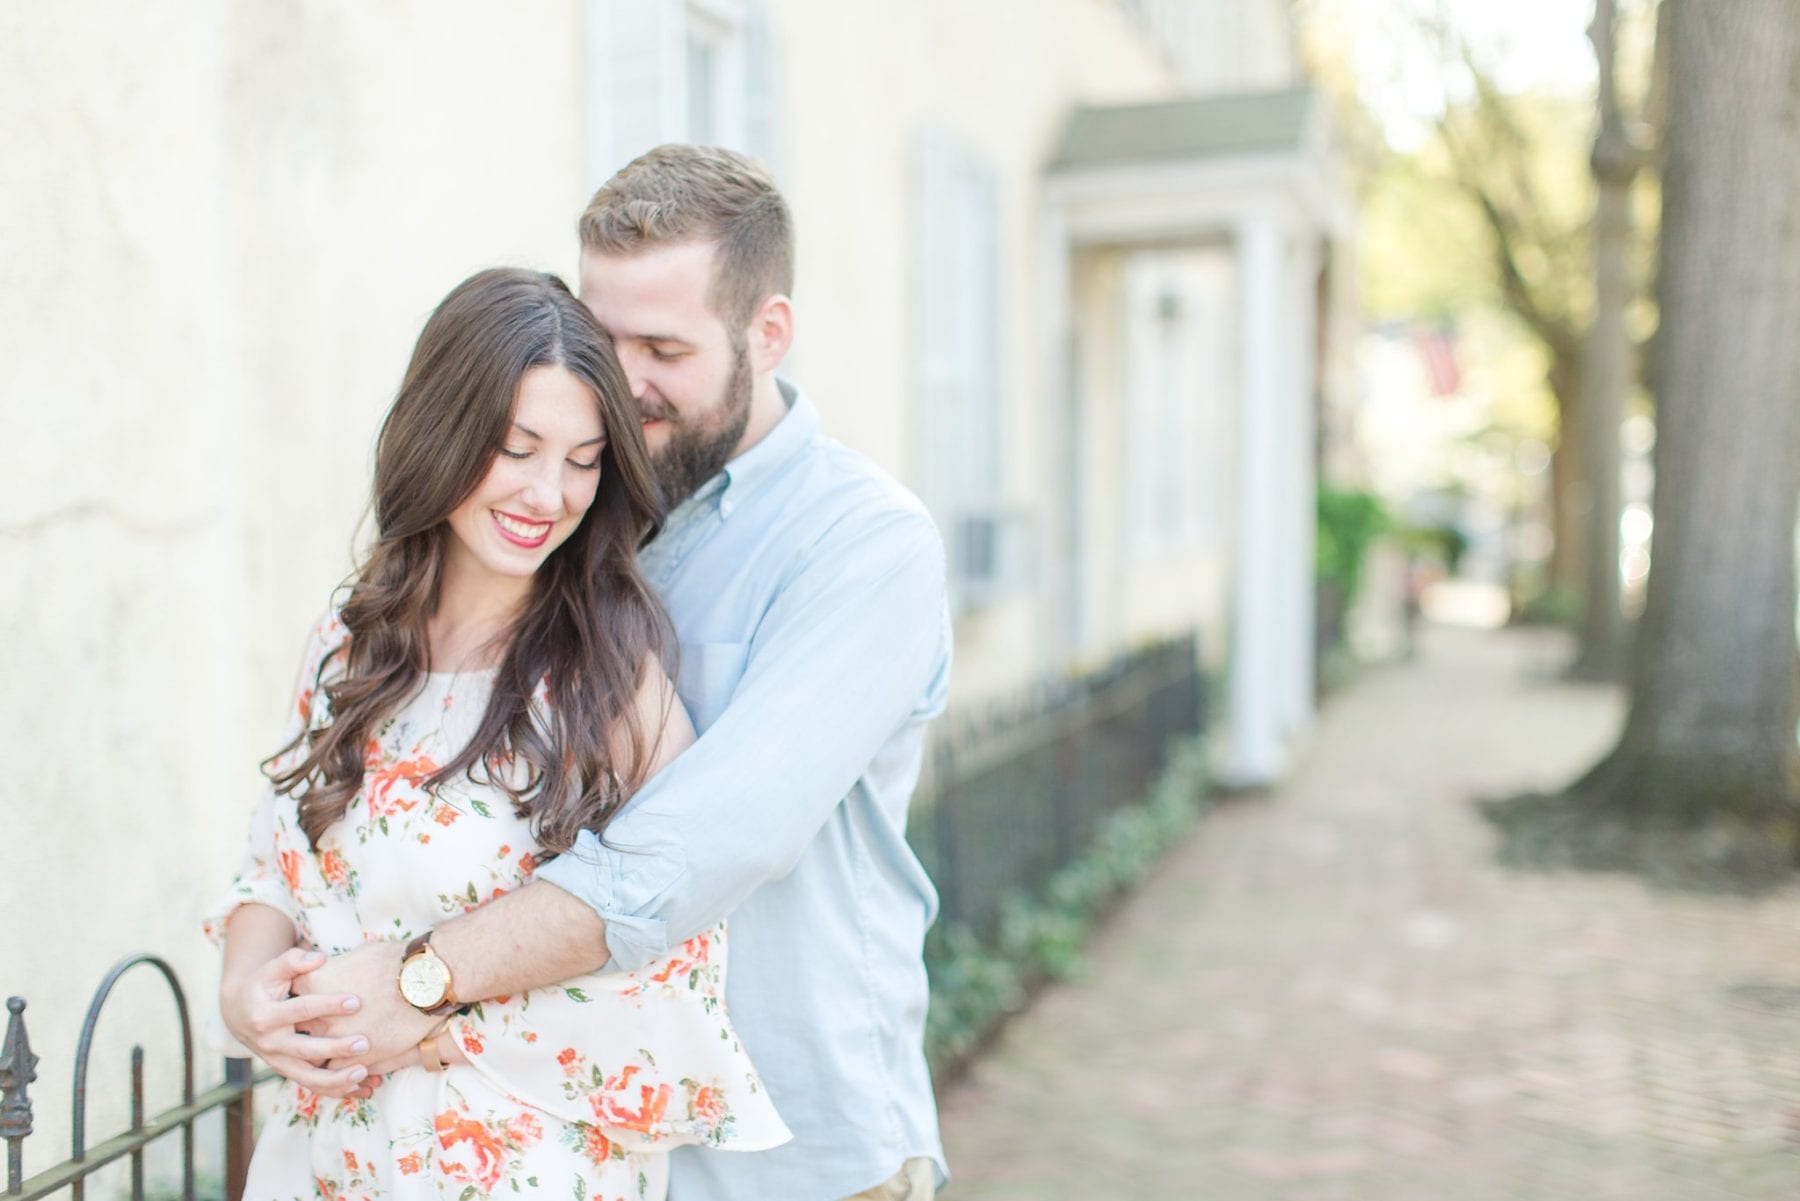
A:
770,333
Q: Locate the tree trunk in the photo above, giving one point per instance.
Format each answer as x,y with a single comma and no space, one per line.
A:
1567,549
1606,367
1709,750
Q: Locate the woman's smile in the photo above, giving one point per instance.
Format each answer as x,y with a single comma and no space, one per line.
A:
519,531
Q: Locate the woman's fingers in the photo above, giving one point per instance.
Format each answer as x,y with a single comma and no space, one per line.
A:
406,1059
297,1011
326,1082
319,1051
277,975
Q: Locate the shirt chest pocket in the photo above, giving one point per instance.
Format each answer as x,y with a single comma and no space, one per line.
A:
709,674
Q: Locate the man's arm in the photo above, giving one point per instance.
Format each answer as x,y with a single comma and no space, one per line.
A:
537,936
839,662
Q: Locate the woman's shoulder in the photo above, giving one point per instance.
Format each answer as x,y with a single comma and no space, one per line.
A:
325,656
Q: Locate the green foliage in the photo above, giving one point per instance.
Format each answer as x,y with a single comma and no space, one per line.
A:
1349,521
1445,543
975,986
1551,607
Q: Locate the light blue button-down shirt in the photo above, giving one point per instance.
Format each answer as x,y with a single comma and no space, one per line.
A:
807,589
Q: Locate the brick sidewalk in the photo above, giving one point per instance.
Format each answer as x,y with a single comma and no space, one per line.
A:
1332,994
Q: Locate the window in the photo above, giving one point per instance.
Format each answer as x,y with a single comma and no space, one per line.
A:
960,444
677,71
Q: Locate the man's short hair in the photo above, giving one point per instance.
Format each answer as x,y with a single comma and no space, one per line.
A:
681,193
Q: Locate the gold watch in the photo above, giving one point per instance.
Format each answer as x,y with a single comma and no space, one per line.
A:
425,980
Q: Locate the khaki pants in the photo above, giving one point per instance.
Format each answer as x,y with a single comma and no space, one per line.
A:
915,1181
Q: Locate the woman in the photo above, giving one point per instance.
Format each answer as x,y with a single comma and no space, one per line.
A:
491,686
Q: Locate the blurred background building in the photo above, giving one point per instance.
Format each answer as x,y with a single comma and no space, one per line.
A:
1074,270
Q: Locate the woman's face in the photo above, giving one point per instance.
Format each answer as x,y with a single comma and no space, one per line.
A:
538,486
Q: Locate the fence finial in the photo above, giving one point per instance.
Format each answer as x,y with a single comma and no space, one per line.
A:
18,1068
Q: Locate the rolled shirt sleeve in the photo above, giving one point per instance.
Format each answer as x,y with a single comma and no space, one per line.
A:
841,658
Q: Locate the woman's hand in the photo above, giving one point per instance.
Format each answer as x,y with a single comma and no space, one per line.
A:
256,1002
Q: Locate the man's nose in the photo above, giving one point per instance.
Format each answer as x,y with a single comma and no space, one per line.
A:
635,364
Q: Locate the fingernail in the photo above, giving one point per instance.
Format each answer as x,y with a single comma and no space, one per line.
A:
357,1074
359,1046
314,957
352,1004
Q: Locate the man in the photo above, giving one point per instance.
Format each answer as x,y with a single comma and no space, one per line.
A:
807,591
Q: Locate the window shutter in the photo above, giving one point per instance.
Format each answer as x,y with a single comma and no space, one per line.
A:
762,100
634,80
958,322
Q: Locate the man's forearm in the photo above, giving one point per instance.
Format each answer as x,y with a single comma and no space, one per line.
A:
537,936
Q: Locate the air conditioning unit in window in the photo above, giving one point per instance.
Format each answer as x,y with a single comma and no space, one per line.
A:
989,558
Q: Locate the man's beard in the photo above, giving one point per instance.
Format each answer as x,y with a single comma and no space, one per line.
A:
695,453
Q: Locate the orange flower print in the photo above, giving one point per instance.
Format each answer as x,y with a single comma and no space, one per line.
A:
567,1057
382,783
524,1129
472,1043
306,1102
409,1164
653,1103
527,864
350,1160
443,814
305,703
334,869
590,1141
290,869
486,1153
708,1104
529,1036
328,1188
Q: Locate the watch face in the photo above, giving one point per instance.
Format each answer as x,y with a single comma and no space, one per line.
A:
422,981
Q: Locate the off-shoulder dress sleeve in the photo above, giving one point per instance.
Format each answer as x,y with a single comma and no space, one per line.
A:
270,873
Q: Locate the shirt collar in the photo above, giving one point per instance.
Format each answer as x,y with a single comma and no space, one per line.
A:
746,473
743,475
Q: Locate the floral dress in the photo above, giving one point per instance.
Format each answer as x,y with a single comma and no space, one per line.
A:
576,1091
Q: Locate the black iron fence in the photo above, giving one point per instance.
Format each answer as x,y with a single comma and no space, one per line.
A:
18,1070
1015,792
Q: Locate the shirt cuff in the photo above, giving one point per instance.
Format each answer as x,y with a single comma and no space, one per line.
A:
625,889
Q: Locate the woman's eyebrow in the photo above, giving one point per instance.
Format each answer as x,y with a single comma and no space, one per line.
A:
531,433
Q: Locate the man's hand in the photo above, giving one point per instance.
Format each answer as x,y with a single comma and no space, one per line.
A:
262,1015
389,1026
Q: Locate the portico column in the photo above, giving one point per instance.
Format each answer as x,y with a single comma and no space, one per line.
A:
1299,412
1259,688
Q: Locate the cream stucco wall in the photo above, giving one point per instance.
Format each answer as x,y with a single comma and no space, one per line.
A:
222,224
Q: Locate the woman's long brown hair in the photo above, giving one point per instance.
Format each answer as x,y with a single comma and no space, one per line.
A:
590,626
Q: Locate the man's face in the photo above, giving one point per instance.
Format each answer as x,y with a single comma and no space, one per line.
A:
689,374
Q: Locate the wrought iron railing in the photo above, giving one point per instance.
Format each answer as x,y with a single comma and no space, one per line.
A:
18,1070
1015,792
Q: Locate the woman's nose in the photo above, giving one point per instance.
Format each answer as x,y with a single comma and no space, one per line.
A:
543,491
